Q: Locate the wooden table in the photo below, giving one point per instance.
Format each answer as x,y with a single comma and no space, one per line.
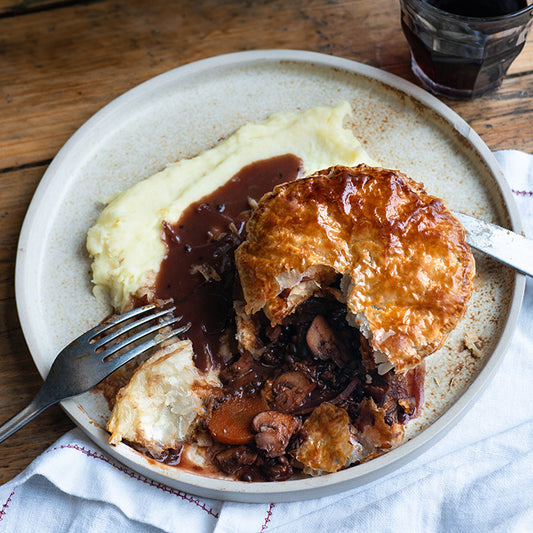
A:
62,60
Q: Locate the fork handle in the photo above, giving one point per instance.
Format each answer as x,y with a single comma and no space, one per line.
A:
41,402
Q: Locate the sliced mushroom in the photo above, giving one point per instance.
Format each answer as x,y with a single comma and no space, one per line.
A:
324,344
233,459
290,391
274,431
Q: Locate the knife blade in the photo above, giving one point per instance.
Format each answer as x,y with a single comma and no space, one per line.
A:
504,245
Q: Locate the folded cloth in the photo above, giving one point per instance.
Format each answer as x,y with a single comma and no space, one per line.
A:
478,478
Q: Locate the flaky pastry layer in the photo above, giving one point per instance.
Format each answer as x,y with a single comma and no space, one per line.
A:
407,272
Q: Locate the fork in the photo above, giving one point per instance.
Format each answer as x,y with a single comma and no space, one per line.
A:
90,358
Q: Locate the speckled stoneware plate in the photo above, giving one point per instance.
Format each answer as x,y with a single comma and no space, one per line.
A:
187,110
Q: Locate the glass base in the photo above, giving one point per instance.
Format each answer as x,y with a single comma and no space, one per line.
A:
450,92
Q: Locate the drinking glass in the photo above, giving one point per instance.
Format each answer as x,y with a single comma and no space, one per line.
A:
463,56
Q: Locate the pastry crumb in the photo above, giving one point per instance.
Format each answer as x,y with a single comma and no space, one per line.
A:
473,344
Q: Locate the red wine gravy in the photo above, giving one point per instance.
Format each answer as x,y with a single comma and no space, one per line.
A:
198,270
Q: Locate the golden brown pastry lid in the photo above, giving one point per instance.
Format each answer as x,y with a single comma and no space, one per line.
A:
407,272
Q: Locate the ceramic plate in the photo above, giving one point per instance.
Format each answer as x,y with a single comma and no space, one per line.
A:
187,110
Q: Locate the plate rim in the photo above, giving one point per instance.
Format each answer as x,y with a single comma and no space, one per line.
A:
293,489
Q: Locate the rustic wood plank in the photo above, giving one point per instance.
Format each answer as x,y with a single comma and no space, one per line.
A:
10,8
19,378
50,84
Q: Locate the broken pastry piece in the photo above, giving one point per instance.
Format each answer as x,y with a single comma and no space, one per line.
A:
158,409
329,443
406,270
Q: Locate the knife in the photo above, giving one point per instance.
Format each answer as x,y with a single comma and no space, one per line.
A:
504,245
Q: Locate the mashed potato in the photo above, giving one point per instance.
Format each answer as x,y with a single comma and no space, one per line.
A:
125,243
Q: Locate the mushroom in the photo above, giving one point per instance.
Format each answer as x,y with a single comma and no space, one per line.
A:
290,390
233,459
324,344
274,431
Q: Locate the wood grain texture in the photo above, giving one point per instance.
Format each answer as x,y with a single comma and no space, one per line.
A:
62,65
62,60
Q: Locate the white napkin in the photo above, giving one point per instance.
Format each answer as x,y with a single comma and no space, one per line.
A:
478,478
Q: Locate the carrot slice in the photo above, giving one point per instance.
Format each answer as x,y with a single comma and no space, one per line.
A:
231,422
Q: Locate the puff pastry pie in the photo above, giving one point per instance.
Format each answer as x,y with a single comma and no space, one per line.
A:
406,271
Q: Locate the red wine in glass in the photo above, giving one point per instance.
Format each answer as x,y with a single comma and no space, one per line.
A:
475,64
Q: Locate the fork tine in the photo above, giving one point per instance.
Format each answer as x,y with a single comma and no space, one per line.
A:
128,327
113,321
137,336
122,359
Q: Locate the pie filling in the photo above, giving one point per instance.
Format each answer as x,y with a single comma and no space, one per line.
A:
313,378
